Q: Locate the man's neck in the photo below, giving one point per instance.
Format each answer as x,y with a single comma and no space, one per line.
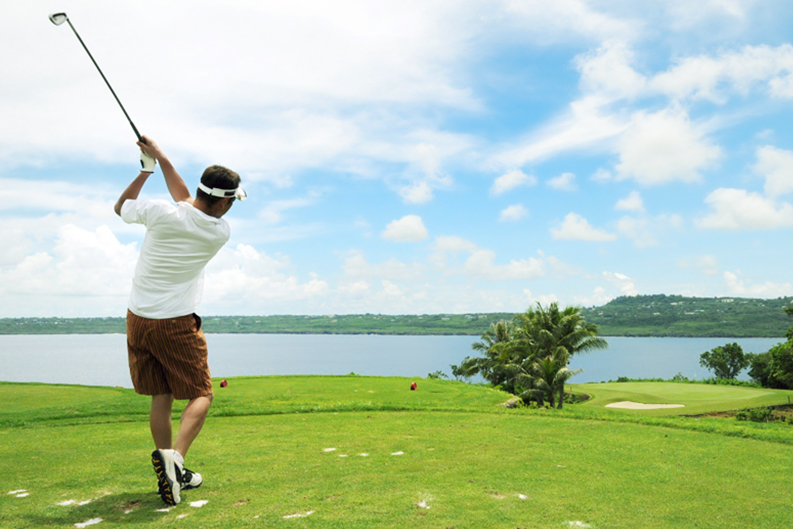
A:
203,207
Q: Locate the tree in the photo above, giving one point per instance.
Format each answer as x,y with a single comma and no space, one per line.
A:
726,361
774,368
496,345
546,378
518,356
559,335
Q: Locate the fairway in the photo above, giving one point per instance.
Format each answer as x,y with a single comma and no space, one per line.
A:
368,452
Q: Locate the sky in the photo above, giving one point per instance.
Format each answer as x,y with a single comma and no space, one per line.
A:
405,157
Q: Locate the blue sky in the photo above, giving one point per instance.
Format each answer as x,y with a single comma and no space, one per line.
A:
406,157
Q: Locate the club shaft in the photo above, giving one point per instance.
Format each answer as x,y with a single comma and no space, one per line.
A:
105,79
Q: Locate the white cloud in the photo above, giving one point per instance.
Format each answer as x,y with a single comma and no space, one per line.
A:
713,78
511,180
644,230
665,147
244,277
559,21
277,180
661,146
559,269
608,72
687,15
738,209
391,289
409,228
454,244
90,266
707,264
738,287
513,213
574,227
563,182
356,103
776,166
274,210
625,284
602,175
446,246
586,124
633,202
426,152
481,263
356,290
542,299
419,192
598,297
357,267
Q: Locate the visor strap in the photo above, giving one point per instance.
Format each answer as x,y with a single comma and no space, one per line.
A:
218,192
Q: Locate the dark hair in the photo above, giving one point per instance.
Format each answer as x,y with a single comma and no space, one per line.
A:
217,176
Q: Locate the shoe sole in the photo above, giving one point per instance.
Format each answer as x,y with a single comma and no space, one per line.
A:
169,490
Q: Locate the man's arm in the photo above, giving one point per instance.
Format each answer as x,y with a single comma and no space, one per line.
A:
176,186
132,191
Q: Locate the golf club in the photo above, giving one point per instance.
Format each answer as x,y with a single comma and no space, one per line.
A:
60,18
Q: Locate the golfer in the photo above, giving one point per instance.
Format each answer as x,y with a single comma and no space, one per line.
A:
166,346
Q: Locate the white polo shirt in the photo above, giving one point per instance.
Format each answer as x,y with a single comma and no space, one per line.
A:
180,241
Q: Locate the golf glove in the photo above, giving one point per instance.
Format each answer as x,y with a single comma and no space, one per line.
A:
147,163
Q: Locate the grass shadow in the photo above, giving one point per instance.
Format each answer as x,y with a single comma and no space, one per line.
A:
125,508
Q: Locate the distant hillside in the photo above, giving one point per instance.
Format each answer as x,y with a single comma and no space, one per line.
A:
656,315
661,315
424,324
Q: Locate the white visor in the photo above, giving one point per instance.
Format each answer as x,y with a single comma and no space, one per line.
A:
238,193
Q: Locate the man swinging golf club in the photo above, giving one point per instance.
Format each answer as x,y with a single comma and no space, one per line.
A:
166,346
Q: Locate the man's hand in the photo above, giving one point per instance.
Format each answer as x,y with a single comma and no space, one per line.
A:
150,148
147,163
175,183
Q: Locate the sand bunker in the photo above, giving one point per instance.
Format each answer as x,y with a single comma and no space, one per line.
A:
628,405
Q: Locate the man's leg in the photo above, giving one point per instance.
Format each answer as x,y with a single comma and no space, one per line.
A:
160,420
191,423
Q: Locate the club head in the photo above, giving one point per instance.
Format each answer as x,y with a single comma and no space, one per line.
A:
58,18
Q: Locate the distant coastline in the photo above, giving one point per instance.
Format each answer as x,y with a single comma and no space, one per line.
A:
645,316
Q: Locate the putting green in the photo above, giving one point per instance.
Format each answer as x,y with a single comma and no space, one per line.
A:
696,398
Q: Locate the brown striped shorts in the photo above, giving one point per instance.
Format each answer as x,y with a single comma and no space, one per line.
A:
168,356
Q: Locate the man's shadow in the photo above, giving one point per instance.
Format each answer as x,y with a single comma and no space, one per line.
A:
129,507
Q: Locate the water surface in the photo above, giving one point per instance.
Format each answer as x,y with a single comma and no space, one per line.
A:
101,359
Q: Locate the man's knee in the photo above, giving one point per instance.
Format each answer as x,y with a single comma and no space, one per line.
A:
207,398
162,400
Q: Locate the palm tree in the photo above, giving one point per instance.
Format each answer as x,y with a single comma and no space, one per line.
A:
555,336
532,352
496,347
545,376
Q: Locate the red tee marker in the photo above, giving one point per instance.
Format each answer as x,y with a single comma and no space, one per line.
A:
413,386
223,383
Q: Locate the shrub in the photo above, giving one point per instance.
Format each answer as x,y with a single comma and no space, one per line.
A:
755,415
729,382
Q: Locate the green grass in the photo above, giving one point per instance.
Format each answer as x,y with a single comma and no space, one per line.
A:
472,462
697,398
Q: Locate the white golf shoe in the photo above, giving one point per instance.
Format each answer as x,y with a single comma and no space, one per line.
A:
168,475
